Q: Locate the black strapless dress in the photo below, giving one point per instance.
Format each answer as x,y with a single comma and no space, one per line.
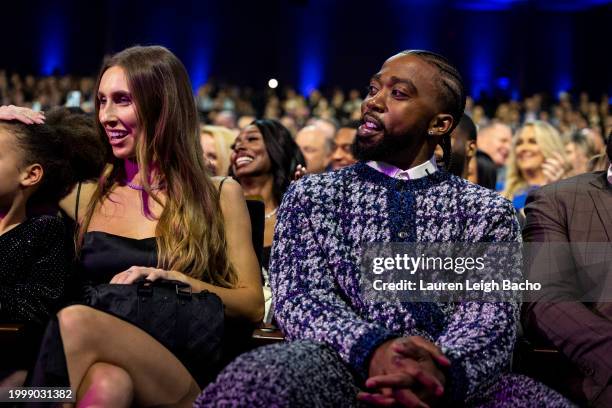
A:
103,255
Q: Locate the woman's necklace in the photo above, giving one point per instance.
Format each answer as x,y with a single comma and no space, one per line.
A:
270,214
141,188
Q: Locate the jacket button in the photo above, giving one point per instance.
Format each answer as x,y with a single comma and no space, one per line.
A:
402,234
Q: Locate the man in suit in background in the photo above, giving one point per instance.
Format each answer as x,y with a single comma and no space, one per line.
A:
575,211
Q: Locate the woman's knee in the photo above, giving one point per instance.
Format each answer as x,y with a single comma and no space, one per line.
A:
77,323
106,385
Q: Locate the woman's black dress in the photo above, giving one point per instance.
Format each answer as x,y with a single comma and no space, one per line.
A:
103,255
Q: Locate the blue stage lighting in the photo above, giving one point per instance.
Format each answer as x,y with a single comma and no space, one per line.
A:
52,42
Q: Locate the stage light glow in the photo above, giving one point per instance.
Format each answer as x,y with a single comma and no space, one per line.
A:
272,83
53,43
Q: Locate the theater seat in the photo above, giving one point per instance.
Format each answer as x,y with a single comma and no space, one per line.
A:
257,210
548,365
266,334
16,345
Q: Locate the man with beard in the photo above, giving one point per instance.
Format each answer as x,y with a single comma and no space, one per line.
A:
575,215
411,354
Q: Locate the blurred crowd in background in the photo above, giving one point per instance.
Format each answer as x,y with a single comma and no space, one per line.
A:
567,131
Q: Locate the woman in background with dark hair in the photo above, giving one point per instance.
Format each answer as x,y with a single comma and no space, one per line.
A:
264,161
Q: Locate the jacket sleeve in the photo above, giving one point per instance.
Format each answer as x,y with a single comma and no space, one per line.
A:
480,336
308,302
580,334
37,296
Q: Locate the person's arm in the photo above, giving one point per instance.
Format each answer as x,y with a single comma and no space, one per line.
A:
246,299
480,336
308,302
581,335
37,297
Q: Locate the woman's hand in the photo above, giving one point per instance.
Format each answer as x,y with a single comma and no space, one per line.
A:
136,272
300,171
555,168
24,115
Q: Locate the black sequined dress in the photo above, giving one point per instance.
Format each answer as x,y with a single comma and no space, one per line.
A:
35,261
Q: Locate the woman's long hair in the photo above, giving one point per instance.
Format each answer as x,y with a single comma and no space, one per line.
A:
284,154
190,232
549,142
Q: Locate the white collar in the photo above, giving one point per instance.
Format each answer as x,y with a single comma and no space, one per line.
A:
610,174
422,170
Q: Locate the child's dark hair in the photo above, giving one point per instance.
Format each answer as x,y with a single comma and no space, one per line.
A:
67,147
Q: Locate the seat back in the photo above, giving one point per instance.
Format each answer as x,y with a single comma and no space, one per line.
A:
256,208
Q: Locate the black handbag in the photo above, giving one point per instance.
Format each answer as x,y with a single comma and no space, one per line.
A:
191,325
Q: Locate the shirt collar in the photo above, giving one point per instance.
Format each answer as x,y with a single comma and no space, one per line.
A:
416,172
610,174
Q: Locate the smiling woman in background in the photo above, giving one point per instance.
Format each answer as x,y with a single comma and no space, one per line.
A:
537,158
264,161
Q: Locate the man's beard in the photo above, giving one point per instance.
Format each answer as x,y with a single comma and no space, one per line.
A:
388,146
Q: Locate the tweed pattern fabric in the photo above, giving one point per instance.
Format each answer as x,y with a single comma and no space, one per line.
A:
325,222
308,374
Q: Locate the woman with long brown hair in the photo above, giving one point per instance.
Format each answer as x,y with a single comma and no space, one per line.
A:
154,214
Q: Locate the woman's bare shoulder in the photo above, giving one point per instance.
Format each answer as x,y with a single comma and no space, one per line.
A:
84,196
227,185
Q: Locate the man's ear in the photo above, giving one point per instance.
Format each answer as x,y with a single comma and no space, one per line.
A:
31,175
470,149
441,124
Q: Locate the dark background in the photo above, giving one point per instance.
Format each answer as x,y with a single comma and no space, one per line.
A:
510,47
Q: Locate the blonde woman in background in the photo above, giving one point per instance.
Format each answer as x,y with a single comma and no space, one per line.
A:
216,143
537,158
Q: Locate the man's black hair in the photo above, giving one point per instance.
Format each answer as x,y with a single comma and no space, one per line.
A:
452,94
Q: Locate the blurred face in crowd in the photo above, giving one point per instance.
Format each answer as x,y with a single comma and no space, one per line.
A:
528,153
314,146
329,130
496,141
245,121
249,155
396,113
225,119
209,148
577,157
118,114
342,155
608,125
